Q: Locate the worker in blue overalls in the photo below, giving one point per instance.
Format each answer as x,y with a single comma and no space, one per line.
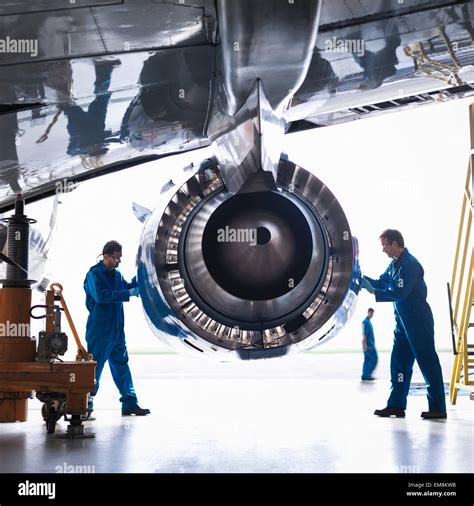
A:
106,291
403,284
368,345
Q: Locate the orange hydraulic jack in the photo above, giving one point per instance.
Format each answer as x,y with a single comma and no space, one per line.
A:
63,387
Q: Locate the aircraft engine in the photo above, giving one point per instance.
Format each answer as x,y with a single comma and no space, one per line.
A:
248,275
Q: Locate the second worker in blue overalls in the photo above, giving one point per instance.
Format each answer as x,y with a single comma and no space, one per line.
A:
403,284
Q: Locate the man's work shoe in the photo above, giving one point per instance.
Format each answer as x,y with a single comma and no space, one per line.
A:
390,411
137,411
433,415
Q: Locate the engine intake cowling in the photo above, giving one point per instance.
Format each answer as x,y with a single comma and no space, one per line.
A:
248,275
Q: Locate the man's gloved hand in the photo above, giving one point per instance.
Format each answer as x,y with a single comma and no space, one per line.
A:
366,284
134,292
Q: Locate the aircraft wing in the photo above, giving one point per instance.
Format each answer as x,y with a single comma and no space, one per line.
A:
99,86
376,56
93,86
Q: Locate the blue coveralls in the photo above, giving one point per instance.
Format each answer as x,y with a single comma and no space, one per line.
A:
105,293
370,354
403,284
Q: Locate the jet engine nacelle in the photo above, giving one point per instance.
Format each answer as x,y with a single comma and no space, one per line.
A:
249,275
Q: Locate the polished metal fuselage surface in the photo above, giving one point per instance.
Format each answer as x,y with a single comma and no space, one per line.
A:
87,88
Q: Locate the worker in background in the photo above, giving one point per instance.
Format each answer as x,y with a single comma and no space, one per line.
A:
106,291
368,345
403,284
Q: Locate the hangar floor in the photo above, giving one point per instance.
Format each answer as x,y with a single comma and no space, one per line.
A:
308,413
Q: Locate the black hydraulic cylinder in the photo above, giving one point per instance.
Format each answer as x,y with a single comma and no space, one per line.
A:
18,240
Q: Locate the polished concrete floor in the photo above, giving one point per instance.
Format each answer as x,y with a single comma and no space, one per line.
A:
309,413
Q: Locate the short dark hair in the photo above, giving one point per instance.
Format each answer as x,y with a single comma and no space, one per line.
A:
392,235
111,247
370,310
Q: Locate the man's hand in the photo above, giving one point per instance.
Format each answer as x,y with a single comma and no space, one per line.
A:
364,344
366,284
134,292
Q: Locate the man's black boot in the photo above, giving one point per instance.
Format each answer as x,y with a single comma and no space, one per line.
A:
390,411
434,415
137,411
